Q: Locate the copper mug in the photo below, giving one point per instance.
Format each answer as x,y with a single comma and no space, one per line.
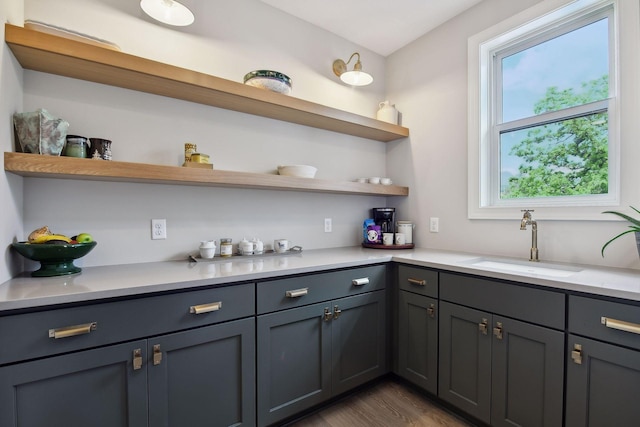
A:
100,149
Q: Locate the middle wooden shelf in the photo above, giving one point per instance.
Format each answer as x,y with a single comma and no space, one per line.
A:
41,166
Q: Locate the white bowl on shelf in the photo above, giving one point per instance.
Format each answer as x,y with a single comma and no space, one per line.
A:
274,81
301,171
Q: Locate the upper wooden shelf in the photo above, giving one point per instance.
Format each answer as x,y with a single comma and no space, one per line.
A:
35,165
57,55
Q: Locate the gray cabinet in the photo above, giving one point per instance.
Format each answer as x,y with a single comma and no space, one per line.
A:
203,377
87,388
603,371
501,370
309,353
417,327
161,380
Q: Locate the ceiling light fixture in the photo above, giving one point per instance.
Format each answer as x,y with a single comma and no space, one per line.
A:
168,12
356,77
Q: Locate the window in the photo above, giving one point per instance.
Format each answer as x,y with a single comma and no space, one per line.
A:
543,127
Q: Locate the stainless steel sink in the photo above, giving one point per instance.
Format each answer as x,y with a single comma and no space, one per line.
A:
524,267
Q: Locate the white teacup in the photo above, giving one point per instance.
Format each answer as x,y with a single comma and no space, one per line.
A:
280,245
207,253
387,238
400,239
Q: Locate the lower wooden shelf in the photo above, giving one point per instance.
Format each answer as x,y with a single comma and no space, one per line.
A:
35,165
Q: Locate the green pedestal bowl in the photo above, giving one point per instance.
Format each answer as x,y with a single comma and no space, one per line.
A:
55,259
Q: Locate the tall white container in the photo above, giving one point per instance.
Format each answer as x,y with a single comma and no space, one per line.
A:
406,228
387,113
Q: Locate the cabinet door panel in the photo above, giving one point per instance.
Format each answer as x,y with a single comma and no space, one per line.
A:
358,341
465,360
206,377
97,388
527,373
418,340
294,361
603,390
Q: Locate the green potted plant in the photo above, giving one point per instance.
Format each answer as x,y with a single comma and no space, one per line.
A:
633,228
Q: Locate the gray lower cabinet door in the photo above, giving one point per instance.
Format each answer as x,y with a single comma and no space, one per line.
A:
603,384
293,361
203,377
97,388
465,359
418,340
358,332
527,374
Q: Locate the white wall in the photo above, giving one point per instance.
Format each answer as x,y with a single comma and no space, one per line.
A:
10,185
428,81
228,40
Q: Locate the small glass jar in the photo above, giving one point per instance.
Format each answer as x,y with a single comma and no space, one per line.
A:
226,247
76,146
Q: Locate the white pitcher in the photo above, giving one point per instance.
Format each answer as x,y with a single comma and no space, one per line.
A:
387,113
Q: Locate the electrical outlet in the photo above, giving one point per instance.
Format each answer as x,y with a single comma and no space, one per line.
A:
158,229
327,225
434,225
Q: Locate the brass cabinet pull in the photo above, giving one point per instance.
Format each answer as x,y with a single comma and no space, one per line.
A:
497,331
336,312
431,311
576,354
483,326
327,314
205,308
72,331
296,293
360,282
137,359
620,325
419,282
157,355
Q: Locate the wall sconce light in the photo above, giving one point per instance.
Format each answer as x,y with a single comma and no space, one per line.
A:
168,12
356,77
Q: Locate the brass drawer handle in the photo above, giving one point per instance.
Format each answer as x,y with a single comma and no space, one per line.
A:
419,282
72,331
205,308
360,282
620,325
296,293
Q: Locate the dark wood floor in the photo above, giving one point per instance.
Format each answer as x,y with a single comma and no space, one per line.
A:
386,404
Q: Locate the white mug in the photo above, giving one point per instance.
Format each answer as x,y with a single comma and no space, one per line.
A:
387,238
400,239
280,245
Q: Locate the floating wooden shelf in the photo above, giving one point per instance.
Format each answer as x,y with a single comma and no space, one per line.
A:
57,55
35,165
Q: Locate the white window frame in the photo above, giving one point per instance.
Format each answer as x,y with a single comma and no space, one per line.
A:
539,18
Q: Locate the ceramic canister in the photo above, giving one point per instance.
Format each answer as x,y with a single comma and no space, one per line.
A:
387,113
406,228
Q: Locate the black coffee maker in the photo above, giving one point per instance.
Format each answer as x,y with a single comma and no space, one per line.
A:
384,217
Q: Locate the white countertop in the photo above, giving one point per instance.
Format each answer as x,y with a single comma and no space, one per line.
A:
96,283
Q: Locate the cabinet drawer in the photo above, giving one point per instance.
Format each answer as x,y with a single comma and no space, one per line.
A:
298,291
418,280
539,306
609,321
32,335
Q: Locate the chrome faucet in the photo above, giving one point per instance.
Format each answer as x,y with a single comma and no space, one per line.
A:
526,220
